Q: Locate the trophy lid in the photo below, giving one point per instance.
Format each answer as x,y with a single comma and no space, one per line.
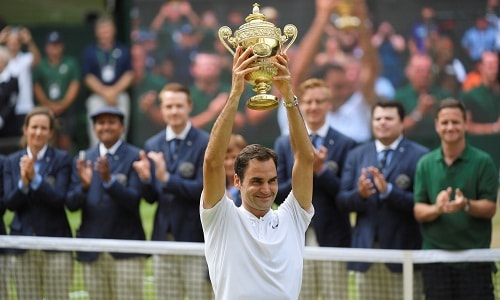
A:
256,19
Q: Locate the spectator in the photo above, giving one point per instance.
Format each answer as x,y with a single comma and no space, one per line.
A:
391,47
377,184
358,92
36,179
177,153
209,93
145,116
478,38
420,97
107,73
56,85
483,109
4,279
450,72
182,54
253,245
171,17
329,227
20,66
236,143
424,32
9,90
209,26
455,193
107,190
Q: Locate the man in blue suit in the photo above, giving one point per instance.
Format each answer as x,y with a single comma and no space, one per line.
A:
175,182
330,227
107,189
377,184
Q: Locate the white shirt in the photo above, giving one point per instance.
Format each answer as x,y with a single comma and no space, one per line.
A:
255,258
20,67
352,118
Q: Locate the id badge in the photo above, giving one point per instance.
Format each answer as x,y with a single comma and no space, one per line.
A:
54,91
108,73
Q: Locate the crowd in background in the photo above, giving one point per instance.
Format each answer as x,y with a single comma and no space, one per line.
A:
150,105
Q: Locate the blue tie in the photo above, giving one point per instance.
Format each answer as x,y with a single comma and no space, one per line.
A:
174,146
315,140
383,158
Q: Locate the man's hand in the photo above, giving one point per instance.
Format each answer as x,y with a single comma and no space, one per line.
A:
102,167
378,179
458,203
319,159
425,103
84,169
282,80
241,61
160,166
143,167
365,185
442,200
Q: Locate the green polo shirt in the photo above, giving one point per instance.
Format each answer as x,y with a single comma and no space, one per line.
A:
55,79
475,175
423,132
484,105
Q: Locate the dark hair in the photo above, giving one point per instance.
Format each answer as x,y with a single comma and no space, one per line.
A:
38,110
254,151
391,104
451,103
177,87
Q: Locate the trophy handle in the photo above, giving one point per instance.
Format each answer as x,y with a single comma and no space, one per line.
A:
289,31
225,34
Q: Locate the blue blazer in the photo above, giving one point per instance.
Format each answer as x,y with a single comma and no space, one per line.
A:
39,212
179,199
331,225
389,221
109,212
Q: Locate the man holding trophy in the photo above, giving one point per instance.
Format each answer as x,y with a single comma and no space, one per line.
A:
252,251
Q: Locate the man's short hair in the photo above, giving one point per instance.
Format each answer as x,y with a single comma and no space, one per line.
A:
391,104
178,88
315,83
451,103
254,151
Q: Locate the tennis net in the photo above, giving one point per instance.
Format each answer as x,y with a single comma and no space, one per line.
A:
46,268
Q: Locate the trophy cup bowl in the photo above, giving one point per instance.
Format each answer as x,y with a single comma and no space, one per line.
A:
266,41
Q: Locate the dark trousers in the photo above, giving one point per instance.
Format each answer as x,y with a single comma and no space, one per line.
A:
458,281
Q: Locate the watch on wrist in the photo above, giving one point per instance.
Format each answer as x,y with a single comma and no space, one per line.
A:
293,103
467,205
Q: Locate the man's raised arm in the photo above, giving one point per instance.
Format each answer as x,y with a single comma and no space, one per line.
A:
214,178
303,151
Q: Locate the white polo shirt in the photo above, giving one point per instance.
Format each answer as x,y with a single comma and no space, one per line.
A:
255,258
20,67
